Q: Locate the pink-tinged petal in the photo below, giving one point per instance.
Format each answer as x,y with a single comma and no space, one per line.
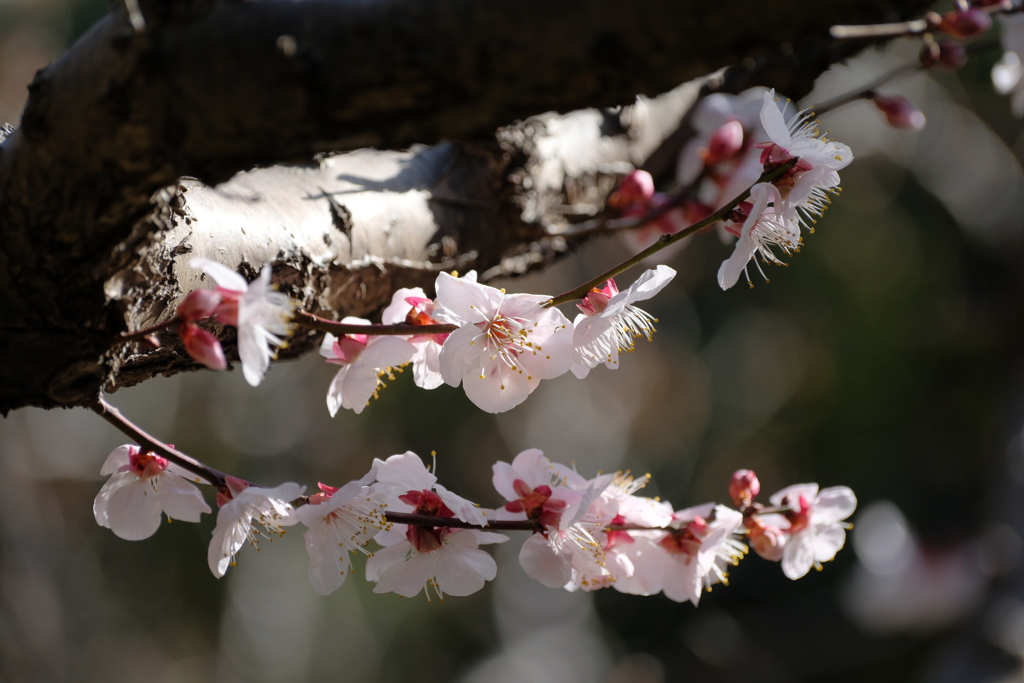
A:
648,284
794,492
682,583
464,301
828,540
254,353
833,504
133,507
350,384
460,350
731,268
540,561
180,499
497,388
464,509
533,468
773,121
405,471
467,537
407,578
328,563
222,275
529,306
689,514
383,352
798,557
554,356
399,308
463,571
203,347
503,476
576,511
426,368
118,458
327,346
383,560
648,567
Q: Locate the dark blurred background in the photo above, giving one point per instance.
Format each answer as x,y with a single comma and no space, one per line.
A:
888,357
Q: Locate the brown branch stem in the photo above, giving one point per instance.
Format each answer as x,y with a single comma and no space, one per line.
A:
865,91
666,240
336,328
145,332
150,443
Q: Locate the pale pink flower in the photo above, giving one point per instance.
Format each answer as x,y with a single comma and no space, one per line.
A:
537,489
805,188
609,323
692,556
363,359
261,315
505,345
414,558
765,229
252,514
814,525
140,488
339,521
412,307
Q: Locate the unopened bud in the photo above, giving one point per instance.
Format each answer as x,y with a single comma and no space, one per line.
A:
965,23
952,54
724,144
202,303
767,541
202,346
899,111
636,187
743,488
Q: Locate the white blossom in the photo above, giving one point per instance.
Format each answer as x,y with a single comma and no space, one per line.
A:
251,515
363,358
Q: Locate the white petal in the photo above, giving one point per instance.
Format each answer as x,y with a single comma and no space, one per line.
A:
328,562
383,352
540,561
828,540
833,504
460,351
327,346
464,509
533,468
224,276
808,491
118,458
405,471
356,387
399,308
383,560
464,301
463,571
408,578
773,121
798,558
649,284
497,388
179,498
426,365
254,352
133,509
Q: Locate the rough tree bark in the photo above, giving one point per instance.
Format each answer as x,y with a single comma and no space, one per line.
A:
124,165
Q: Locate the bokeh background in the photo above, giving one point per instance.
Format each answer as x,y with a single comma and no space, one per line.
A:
888,357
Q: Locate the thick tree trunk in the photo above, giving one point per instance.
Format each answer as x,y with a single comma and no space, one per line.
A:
98,217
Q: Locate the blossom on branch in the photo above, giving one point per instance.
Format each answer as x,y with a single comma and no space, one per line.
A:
250,514
261,315
445,559
505,345
813,525
609,323
339,521
363,359
140,488
764,229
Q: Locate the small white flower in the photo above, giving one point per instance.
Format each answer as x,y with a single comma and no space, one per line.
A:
815,529
271,509
261,314
140,488
764,230
362,359
340,521
609,323
505,345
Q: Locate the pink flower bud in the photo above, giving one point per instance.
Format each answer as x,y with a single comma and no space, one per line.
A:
899,111
637,187
227,311
199,304
965,23
724,144
743,488
202,346
952,54
767,541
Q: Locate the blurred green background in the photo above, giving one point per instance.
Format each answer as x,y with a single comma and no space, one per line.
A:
887,357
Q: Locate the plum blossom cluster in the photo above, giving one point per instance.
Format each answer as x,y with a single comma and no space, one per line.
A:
497,346
419,537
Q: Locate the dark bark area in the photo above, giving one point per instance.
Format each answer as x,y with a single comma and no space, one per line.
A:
96,228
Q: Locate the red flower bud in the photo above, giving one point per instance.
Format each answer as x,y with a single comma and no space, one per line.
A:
743,488
899,111
965,23
202,346
202,303
637,187
724,144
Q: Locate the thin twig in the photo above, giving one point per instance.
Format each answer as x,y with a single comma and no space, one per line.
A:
126,337
413,519
336,328
865,91
149,443
666,240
